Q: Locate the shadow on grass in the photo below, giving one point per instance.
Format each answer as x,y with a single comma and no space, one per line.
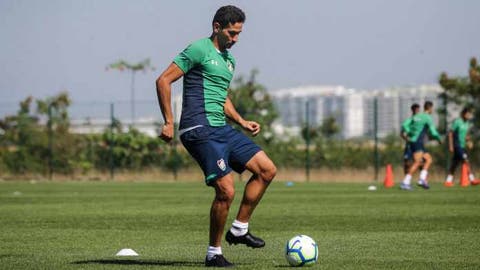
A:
140,262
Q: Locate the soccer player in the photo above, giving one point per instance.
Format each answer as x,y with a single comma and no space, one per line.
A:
420,126
207,68
407,153
458,140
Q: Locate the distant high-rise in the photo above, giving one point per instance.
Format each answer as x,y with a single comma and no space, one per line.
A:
352,109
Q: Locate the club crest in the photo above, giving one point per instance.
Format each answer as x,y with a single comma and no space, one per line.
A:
221,164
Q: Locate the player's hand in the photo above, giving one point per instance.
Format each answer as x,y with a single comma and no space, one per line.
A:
167,133
450,148
469,145
251,126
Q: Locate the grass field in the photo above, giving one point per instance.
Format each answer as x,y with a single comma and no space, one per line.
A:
81,225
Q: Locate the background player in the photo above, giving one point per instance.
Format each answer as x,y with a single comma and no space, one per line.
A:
207,67
458,140
417,131
407,153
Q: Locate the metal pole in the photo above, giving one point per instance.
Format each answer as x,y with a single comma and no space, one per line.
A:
50,143
375,134
174,143
307,141
132,98
445,123
111,160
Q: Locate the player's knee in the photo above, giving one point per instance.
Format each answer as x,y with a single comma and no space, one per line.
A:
269,173
417,163
428,161
226,195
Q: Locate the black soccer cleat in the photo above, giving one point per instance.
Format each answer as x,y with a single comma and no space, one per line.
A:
247,239
218,261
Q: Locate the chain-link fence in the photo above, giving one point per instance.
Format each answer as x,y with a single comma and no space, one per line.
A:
357,132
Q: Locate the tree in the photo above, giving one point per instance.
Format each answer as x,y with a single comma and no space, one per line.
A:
62,145
253,102
56,109
122,65
310,133
23,144
329,127
464,91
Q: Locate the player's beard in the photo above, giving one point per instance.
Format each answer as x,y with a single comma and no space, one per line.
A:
229,45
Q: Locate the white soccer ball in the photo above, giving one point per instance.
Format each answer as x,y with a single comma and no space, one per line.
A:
301,250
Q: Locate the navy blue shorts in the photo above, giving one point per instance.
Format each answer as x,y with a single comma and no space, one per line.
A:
460,154
407,153
416,147
219,150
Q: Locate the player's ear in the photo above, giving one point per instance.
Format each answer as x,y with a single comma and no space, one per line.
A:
216,27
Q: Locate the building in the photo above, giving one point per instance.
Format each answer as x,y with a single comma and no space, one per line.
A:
353,110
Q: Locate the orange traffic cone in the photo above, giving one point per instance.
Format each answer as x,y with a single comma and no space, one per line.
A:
464,182
388,181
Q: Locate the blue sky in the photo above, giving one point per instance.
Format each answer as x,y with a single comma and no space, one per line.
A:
54,45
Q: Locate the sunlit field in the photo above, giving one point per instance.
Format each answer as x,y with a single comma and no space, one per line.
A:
81,225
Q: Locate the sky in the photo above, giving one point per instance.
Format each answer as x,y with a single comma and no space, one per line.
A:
57,45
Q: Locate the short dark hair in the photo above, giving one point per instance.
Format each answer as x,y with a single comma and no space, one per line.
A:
427,105
228,14
414,107
466,110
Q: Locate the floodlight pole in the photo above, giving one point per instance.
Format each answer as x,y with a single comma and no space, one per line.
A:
132,97
445,123
50,142
112,141
143,66
307,141
375,134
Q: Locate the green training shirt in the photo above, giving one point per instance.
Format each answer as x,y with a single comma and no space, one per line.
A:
418,127
406,124
207,76
460,130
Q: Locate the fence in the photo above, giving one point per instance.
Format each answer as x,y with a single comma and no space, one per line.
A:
108,138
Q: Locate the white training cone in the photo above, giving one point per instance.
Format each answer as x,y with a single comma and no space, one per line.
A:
126,252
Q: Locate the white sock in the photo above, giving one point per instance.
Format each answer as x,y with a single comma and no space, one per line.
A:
449,178
212,251
407,179
423,175
472,177
239,228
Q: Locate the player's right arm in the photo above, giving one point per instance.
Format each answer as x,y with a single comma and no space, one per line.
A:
450,141
164,95
451,131
406,129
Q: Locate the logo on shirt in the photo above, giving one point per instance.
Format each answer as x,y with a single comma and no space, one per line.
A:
221,164
230,66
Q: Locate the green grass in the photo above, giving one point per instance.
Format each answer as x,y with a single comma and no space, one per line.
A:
80,225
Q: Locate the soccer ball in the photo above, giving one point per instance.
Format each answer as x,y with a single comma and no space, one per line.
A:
301,250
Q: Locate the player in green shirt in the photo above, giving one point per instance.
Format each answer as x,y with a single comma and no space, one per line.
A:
417,130
458,142
407,153
207,69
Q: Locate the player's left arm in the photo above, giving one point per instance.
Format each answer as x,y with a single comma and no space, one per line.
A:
468,139
232,113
